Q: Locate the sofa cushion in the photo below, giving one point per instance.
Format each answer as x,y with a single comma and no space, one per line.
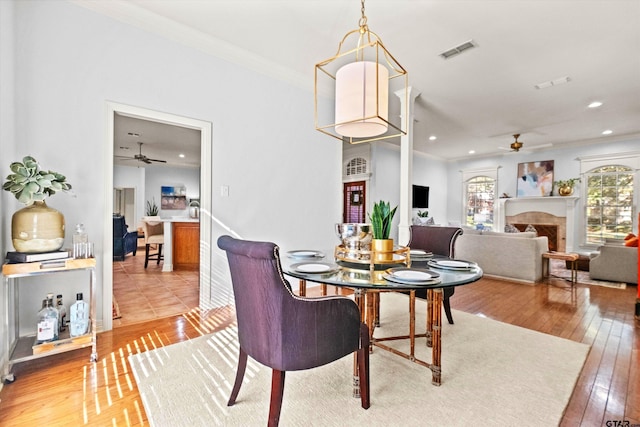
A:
526,234
631,242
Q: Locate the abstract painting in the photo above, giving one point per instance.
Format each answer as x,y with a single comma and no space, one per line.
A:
535,179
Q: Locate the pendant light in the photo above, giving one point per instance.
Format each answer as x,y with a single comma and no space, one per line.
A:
360,80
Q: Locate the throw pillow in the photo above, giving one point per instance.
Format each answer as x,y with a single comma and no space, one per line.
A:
629,236
531,228
510,228
631,242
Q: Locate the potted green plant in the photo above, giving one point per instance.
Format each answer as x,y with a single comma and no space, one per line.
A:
423,217
36,227
152,208
565,187
381,218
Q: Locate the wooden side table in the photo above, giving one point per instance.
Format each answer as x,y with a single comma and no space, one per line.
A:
572,258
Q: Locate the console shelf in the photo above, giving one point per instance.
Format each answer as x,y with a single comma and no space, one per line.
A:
23,348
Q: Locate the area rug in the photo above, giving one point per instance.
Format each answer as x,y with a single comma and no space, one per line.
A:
558,269
493,374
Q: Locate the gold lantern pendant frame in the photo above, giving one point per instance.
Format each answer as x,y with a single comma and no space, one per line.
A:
369,47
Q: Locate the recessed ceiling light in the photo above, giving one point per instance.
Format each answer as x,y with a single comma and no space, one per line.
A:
433,138
181,155
472,151
607,132
595,104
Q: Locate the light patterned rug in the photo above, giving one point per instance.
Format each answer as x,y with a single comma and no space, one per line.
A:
494,374
558,269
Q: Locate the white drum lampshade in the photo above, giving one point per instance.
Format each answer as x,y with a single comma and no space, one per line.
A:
362,107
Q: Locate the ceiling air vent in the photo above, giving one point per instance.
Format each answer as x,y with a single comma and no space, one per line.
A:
458,49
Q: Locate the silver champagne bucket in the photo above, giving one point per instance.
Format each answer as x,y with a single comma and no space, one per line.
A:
355,235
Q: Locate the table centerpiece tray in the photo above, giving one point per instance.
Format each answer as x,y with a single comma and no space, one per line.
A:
359,258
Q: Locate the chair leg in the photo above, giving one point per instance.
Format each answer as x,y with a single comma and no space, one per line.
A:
277,391
159,253
146,255
447,310
363,366
242,366
448,293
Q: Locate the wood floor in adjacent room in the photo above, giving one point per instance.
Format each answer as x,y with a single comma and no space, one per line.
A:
67,390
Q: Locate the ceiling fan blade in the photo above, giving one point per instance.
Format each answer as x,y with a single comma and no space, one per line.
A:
156,160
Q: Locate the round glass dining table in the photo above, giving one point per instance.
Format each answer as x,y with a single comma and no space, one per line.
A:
367,281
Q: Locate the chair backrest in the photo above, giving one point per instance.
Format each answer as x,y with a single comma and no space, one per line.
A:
152,226
439,240
263,299
119,226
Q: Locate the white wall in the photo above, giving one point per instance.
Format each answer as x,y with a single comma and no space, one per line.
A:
8,204
282,174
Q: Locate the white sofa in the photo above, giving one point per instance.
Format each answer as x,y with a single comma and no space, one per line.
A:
514,256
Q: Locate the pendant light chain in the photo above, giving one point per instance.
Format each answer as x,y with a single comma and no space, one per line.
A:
363,19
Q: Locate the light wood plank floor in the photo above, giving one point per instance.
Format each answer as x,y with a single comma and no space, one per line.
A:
67,390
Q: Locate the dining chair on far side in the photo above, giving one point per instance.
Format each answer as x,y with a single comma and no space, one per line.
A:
153,229
286,332
439,241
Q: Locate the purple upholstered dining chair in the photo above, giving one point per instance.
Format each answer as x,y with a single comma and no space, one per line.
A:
286,332
440,241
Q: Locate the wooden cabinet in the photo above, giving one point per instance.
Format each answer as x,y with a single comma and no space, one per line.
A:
186,245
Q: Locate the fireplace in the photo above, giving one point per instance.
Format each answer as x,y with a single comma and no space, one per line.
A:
552,216
549,230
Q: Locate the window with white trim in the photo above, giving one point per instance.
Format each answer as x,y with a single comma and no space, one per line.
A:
479,196
609,203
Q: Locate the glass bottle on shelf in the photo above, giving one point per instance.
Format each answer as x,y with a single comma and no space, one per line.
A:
80,242
47,323
78,317
62,313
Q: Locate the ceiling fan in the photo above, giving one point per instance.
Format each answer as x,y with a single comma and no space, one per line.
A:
517,145
142,158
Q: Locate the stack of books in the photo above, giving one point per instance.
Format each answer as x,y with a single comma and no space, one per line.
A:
20,257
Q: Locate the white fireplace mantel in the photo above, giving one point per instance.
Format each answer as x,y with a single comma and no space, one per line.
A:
560,206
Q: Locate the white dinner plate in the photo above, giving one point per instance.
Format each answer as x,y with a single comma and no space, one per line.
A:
314,267
411,276
417,253
452,264
305,254
394,279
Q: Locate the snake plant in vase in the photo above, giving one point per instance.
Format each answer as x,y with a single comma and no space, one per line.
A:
36,227
381,218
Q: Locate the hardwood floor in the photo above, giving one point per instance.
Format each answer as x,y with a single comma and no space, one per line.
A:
67,390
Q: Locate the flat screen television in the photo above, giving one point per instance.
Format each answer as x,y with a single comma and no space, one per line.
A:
420,197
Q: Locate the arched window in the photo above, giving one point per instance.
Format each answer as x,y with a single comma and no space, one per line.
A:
480,195
609,203
356,166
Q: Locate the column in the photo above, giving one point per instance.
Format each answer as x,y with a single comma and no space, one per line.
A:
406,162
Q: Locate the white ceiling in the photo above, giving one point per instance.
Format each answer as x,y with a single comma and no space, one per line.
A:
476,100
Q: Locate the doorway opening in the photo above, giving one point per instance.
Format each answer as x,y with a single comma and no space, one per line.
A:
205,237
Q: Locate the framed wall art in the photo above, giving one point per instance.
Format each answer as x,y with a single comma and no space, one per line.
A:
535,179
